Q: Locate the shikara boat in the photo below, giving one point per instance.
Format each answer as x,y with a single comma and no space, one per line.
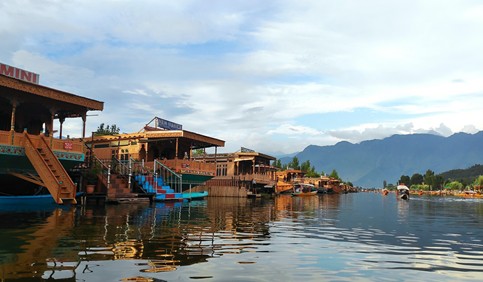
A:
403,192
303,189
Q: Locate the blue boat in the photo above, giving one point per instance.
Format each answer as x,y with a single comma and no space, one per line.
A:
194,195
34,200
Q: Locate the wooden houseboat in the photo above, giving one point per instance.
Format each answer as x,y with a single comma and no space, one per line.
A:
286,179
161,150
245,169
30,156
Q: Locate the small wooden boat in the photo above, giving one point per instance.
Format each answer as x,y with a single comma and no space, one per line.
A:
195,195
302,194
303,189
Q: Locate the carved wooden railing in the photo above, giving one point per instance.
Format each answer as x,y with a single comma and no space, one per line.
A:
258,177
190,166
5,137
67,145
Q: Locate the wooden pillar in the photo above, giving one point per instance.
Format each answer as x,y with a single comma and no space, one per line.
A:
12,121
216,169
61,120
176,149
49,127
253,166
84,117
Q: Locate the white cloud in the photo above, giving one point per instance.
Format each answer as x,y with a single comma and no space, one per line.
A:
260,74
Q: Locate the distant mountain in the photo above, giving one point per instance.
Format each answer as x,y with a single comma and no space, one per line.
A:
369,163
283,157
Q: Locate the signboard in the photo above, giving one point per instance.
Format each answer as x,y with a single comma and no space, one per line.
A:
246,150
68,145
19,73
166,124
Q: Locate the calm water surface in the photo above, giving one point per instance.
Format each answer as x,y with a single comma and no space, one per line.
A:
353,237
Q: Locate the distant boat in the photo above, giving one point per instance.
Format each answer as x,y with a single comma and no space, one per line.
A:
303,189
403,192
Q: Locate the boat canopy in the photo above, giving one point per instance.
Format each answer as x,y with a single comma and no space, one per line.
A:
402,187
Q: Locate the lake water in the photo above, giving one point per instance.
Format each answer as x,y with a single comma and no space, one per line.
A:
352,237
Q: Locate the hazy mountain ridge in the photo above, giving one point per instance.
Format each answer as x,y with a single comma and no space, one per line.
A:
369,163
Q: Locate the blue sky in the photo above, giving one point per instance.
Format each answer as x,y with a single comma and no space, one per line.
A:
273,76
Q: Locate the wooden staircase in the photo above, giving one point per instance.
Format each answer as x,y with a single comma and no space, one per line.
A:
52,174
119,188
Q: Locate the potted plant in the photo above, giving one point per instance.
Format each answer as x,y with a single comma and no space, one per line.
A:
92,176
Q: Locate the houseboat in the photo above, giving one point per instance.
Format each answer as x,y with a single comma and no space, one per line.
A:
161,154
286,179
34,154
246,168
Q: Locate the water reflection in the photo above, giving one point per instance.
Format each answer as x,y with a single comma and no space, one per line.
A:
334,237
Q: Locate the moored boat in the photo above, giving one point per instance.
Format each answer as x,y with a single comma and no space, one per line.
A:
195,195
31,200
304,189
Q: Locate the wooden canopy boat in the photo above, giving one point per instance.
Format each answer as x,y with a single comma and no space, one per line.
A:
304,189
403,192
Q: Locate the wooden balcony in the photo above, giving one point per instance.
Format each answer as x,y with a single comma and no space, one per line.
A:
65,145
185,166
262,178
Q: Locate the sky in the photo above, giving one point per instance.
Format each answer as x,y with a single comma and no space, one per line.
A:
272,76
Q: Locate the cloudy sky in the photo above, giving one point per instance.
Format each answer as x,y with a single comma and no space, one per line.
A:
273,76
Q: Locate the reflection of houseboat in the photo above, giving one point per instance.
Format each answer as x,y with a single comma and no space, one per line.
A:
30,156
161,144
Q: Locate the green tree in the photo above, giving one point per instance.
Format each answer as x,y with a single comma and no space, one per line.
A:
108,130
278,163
198,152
454,185
479,181
334,174
312,173
405,179
438,181
294,164
428,178
416,179
305,166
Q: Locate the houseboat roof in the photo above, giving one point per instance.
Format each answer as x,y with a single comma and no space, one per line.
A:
69,105
199,141
240,156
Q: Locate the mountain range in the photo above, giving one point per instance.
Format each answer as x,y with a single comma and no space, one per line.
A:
370,163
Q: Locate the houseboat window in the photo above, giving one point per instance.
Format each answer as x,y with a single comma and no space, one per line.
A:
114,154
221,170
101,145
